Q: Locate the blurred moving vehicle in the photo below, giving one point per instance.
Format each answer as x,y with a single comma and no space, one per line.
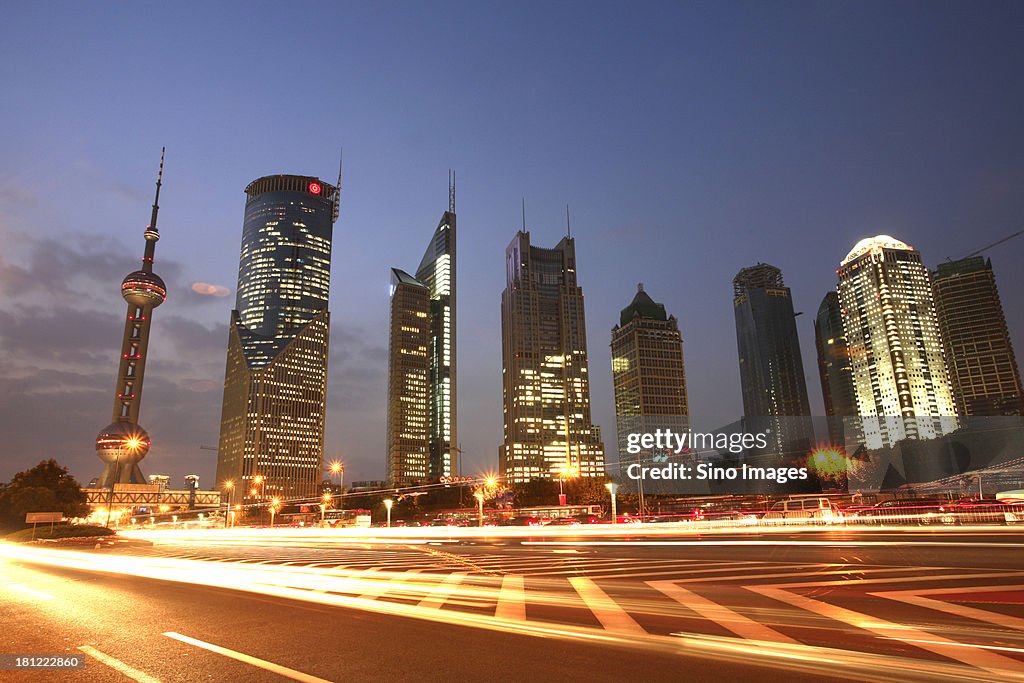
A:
809,510
905,511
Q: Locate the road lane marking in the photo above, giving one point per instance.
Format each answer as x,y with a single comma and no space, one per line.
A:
118,665
379,587
249,659
742,626
41,595
898,579
512,598
436,595
982,659
917,597
611,616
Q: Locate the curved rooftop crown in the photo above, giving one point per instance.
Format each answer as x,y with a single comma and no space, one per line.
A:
876,243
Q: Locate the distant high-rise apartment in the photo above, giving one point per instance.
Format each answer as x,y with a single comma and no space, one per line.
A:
408,431
647,365
428,322
275,385
771,368
982,367
546,387
835,369
899,374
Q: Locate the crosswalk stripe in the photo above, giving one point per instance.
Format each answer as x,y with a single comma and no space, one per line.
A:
720,614
982,659
381,587
437,595
512,598
611,616
917,597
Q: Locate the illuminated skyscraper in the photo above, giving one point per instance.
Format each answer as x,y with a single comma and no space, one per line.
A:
546,387
409,359
275,385
835,370
438,395
982,366
647,363
123,443
771,368
899,374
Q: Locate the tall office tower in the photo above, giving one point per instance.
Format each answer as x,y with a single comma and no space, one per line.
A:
546,387
899,374
982,367
123,443
835,370
409,360
437,394
437,272
275,384
771,369
647,370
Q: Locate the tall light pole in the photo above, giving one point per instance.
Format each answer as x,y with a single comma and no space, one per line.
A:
480,502
230,486
387,504
338,467
323,508
612,488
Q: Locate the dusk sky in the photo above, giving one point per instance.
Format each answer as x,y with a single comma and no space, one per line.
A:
689,139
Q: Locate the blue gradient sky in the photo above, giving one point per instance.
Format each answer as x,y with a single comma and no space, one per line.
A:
690,139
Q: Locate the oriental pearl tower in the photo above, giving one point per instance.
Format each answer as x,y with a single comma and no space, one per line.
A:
123,443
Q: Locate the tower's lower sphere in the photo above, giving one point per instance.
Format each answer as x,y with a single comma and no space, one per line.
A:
142,288
122,443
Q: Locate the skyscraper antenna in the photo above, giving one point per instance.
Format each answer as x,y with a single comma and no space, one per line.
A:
156,200
568,227
524,214
337,196
451,190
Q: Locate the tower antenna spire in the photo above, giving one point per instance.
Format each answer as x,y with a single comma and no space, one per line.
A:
568,226
451,190
156,200
337,196
524,214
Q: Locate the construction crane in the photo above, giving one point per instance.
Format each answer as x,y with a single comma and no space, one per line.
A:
994,244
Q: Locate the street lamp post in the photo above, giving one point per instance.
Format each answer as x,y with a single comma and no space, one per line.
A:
273,510
480,503
323,508
387,504
612,488
230,486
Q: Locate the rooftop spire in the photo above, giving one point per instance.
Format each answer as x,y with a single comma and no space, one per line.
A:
568,227
337,197
451,190
156,200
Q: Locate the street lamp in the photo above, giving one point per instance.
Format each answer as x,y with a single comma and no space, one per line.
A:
230,486
387,504
612,488
338,467
273,510
323,508
480,502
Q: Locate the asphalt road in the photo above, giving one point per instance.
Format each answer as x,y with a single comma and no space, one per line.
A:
879,605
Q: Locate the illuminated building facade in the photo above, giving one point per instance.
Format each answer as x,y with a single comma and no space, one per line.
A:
647,369
409,361
546,387
835,370
899,374
771,368
123,443
275,385
438,395
437,272
982,367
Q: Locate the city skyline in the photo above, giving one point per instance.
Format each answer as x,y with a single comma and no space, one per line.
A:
779,162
